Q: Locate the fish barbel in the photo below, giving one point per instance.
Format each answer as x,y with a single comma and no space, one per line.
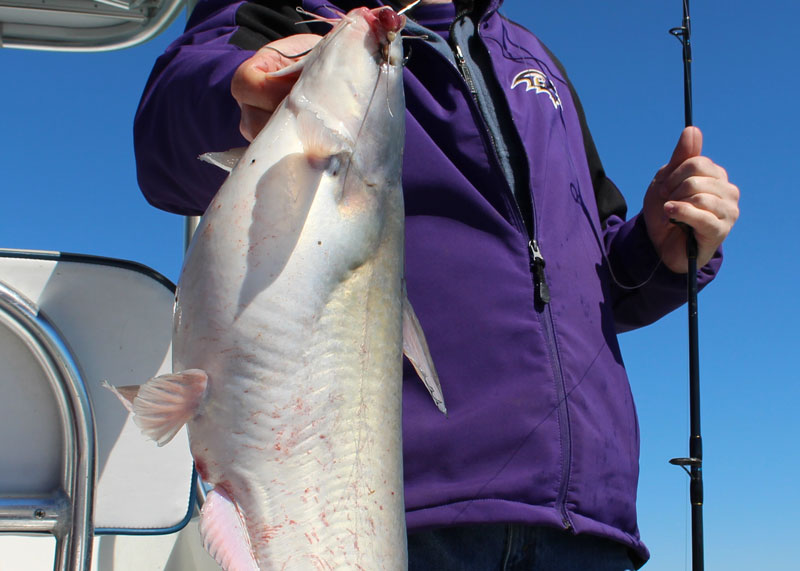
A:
291,320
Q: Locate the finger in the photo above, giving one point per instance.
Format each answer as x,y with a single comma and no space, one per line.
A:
702,185
710,223
283,52
251,86
293,47
707,202
252,121
690,144
699,167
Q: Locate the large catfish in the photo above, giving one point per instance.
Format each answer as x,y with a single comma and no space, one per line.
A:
291,320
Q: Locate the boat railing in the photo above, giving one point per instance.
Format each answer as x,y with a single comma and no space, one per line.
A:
73,464
65,512
83,25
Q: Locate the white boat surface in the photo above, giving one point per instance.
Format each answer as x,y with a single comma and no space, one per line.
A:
73,465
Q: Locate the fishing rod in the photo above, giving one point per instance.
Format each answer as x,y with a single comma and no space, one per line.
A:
693,465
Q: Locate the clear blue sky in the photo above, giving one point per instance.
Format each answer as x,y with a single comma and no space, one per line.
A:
68,183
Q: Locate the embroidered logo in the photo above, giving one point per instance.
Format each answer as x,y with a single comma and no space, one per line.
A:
536,80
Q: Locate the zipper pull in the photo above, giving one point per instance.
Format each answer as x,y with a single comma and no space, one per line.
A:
465,73
537,267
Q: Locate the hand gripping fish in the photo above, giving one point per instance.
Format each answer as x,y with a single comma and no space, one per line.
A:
290,323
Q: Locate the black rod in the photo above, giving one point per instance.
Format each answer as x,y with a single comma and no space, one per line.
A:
695,460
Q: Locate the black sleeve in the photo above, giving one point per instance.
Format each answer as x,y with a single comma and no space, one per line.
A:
263,21
609,199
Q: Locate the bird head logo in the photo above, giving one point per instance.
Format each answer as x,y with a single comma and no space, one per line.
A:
535,80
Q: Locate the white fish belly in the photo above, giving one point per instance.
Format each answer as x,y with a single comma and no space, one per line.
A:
302,426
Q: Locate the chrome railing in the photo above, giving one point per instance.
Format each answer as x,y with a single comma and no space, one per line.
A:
65,512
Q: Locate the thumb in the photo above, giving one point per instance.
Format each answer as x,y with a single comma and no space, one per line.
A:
690,144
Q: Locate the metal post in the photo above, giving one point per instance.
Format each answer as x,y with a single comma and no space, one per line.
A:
190,223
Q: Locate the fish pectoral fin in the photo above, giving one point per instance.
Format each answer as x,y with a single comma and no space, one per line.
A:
319,140
223,533
416,349
225,160
293,68
162,405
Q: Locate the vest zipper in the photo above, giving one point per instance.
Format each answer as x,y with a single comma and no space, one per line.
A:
467,75
537,261
541,291
564,424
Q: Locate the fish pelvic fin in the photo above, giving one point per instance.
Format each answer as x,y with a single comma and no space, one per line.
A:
416,350
162,405
223,533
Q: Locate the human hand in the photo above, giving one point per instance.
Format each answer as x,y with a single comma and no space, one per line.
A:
258,94
691,189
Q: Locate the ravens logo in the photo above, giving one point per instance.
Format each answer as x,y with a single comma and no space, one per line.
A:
536,80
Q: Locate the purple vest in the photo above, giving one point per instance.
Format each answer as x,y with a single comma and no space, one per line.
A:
542,427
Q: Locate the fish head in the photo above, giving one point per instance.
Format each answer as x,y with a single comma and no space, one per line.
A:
358,66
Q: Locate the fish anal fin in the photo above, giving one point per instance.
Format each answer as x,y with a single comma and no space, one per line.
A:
416,350
162,405
223,533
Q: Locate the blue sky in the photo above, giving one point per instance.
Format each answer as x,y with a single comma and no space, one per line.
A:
68,183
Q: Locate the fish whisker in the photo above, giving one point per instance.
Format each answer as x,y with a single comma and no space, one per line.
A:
419,37
388,101
290,56
313,18
409,7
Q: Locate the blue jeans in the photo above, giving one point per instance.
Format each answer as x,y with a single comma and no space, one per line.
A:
501,547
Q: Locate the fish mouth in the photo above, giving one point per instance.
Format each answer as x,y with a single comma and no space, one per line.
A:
384,22
389,21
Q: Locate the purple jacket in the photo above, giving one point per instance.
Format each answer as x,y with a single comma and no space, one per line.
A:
499,168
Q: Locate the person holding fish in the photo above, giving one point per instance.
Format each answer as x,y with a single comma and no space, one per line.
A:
521,263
